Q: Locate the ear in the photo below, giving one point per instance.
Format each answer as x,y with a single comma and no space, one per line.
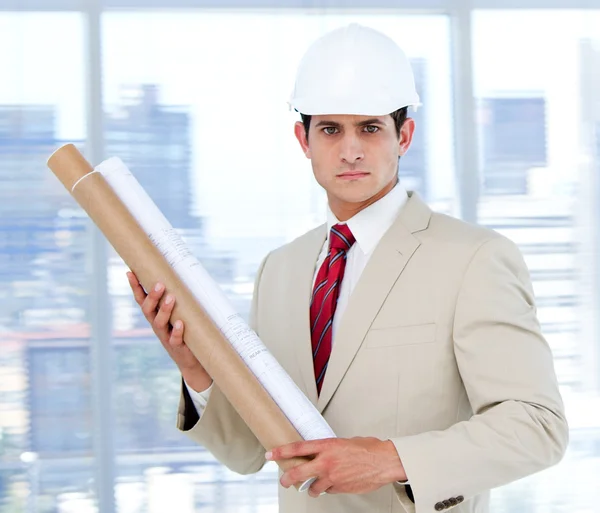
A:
300,133
406,136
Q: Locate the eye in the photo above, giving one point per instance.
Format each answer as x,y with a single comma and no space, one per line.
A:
330,130
371,129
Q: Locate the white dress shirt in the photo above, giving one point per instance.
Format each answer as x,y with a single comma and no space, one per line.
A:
368,227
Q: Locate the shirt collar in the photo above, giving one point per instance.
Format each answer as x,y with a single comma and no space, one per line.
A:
370,224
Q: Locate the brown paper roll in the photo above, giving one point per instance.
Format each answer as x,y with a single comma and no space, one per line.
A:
229,372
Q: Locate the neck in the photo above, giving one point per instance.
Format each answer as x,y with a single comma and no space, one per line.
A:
344,210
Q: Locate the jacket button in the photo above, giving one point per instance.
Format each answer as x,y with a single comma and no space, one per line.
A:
439,507
460,498
447,504
453,501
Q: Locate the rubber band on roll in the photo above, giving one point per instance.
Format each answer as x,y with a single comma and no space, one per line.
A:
84,176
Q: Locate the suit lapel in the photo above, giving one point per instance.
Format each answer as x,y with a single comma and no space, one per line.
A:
305,258
383,269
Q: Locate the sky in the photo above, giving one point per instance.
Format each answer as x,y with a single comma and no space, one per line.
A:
235,71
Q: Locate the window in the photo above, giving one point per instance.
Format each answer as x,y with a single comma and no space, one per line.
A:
195,104
45,422
538,162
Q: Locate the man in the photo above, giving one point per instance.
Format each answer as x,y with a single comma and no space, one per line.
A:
414,333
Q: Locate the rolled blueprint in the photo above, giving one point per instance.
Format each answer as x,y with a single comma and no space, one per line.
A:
256,385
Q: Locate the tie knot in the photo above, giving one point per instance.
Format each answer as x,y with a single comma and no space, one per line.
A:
341,237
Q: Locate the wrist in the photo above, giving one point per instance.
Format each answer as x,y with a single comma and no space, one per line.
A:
197,379
394,470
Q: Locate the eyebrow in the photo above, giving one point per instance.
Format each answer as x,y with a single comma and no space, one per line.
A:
366,122
372,121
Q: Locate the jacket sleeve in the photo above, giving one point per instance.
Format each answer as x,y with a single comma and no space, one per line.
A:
518,425
220,429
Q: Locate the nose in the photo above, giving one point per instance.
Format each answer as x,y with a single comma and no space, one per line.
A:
351,150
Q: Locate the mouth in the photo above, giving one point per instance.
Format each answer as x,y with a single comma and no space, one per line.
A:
352,175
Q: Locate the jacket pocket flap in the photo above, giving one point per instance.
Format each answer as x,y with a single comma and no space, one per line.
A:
401,335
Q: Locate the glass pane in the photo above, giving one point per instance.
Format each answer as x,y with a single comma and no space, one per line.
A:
195,104
45,417
540,162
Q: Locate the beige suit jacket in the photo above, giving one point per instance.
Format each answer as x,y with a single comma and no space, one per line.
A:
439,350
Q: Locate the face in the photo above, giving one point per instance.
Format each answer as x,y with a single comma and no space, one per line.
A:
354,158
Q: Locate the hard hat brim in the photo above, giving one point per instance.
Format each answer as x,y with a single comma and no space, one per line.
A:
337,106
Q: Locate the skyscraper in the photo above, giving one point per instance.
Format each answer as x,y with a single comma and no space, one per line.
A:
518,200
513,140
154,141
41,242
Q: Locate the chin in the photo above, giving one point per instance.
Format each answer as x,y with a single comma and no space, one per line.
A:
356,196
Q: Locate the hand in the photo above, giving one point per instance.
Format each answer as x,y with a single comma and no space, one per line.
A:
355,465
171,337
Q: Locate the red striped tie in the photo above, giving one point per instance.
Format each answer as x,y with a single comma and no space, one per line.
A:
325,298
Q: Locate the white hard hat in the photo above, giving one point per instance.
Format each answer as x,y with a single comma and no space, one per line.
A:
354,70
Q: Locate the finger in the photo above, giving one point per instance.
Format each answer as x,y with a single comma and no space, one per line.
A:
319,487
300,474
161,324
295,449
151,302
138,291
176,339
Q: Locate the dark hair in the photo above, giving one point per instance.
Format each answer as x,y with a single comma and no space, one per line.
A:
399,116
